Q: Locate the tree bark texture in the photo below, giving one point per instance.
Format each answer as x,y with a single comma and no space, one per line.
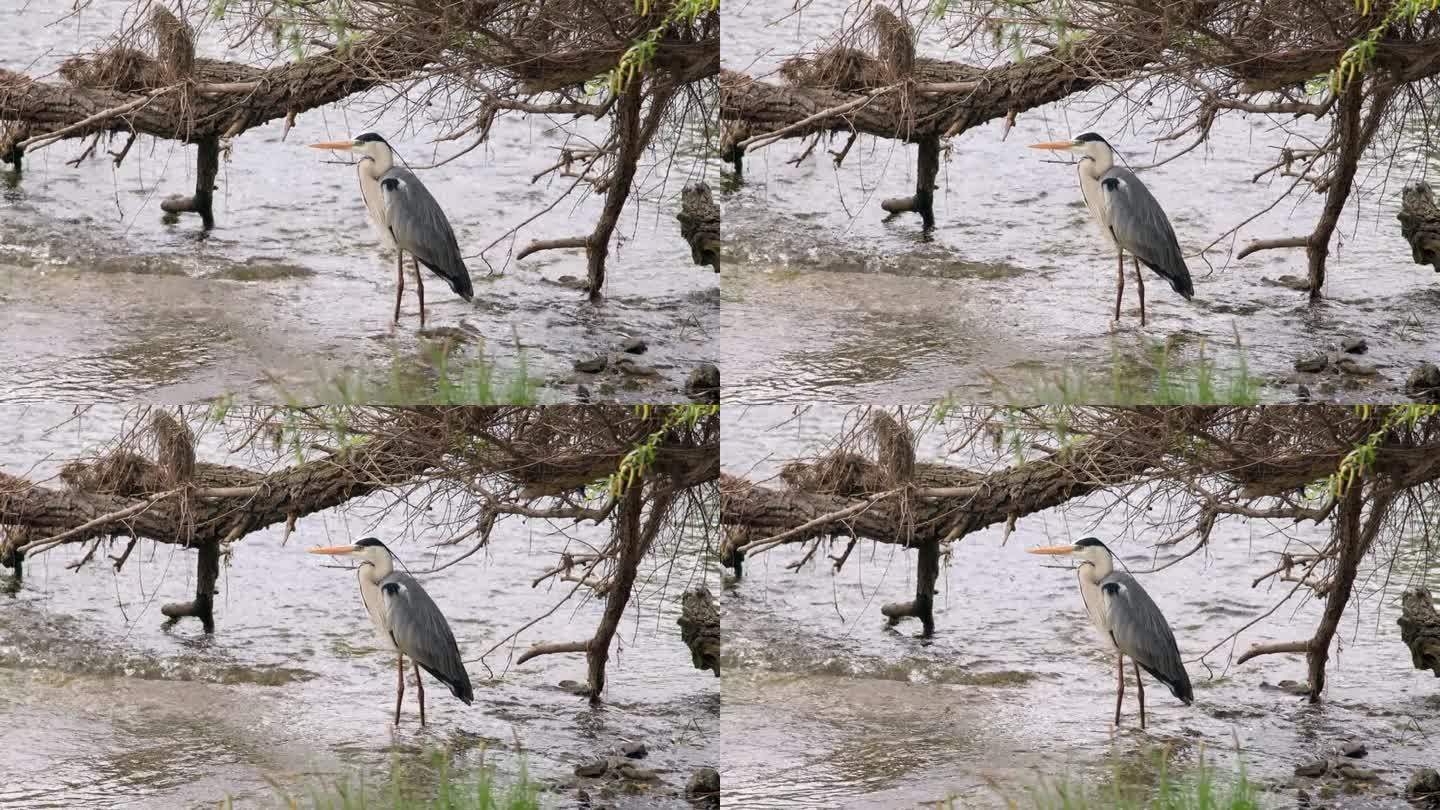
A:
207,572
1420,628
627,157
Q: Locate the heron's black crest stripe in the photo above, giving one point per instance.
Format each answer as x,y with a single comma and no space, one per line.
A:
371,541
390,184
370,137
1091,541
390,588
1111,588
1091,136
1110,183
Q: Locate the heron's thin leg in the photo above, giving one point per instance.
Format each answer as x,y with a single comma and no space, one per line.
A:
1120,284
399,280
1140,282
420,287
1120,690
399,685
1140,687
420,685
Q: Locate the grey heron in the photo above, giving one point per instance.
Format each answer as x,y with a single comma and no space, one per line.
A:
406,217
1130,218
407,621
1128,621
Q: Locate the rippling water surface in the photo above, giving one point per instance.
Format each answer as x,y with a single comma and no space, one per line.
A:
824,703
1012,292
99,298
99,703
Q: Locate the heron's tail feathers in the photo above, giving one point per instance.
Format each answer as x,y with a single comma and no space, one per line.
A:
459,683
1177,682
1178,275
457,277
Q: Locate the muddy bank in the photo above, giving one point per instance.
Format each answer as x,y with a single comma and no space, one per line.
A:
1013,684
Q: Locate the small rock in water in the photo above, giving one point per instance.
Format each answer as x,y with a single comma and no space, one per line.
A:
582,393
1312,363
1354,345
1358,774
1295,687
1302,391
704,785
1354,750
1316,767
1424,784
575,687
634,346
704,384
592,769
634,369
636,772
593,364
1355,367
634,750
1424,382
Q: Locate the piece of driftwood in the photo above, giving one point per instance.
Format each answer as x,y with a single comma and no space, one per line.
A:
700,628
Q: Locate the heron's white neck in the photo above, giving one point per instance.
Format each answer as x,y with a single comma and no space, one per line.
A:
377,164
1097,569
377,569
1096,162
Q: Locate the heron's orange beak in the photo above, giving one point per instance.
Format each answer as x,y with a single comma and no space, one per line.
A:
342,145
1058,146
331,550
1052,550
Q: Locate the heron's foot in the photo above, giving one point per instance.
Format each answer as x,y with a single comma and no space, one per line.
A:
1115,326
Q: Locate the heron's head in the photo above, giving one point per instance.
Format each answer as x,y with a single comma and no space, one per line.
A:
1089,550
1089,145
369,550
368,145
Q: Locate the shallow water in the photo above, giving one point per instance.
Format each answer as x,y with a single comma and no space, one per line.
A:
290,292
1012,292
1013,689
98,702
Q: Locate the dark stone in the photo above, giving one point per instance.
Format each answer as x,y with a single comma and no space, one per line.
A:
634,750
1354,750
1354,345
1302,391
704,384
704,786
582,393
592,365
592,769
634,345
575,687
1312,363
1316,767
1424,382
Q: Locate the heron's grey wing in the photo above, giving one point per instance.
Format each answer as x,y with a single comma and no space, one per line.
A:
1140,226
1141,632
420,631
419,226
